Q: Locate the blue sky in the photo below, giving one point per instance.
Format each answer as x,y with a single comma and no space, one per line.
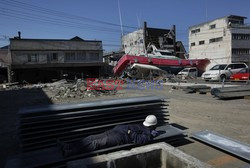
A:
99,19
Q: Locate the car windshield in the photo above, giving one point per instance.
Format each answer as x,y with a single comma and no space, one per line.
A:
184,70
219,67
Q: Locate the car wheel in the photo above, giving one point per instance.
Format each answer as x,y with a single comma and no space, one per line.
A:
223,77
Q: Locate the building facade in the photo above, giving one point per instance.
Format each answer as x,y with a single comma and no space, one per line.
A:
137,42
35,60
223,40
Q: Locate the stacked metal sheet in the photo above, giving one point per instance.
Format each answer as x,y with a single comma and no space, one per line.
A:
202,89
231,92
40,127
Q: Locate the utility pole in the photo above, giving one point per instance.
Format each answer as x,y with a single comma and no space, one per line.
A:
174,38
145,38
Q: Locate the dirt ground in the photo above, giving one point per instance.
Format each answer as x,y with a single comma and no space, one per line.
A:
194,112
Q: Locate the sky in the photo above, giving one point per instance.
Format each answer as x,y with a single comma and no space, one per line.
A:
100,19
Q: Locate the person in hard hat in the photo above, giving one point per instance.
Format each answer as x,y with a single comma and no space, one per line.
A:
122,134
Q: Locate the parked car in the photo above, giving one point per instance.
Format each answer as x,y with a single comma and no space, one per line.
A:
242,75
222,71
188,72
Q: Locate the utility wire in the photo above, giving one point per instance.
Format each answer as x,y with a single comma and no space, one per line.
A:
50,12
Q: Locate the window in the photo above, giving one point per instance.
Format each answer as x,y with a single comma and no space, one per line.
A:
70,56
235,22
219,67
32,58
94,56
201,42
212,26
192,44
195,31
81,56
54,56
238,66
213,40
238,36
192,70
241,51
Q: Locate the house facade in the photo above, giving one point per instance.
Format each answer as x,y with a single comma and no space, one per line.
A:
223,40
45,59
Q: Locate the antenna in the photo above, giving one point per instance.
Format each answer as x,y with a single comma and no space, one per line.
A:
206,10
120,16
138,21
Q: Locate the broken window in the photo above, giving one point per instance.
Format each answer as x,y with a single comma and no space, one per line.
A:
54,57
32,58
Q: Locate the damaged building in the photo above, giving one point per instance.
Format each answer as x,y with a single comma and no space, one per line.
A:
4,62
135,43
42,60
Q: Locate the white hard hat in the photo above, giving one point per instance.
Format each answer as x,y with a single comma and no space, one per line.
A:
150,121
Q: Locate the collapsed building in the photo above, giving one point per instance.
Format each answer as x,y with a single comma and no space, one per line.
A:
42,60
4,62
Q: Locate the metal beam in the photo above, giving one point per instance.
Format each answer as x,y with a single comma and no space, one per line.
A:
229,145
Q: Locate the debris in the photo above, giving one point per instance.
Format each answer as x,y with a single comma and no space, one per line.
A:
231,92
63,89
202,89
227,144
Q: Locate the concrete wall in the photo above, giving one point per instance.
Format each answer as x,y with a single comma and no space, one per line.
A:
133,43
159,155
218,52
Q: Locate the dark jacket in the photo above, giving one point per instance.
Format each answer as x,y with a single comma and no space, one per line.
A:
139,134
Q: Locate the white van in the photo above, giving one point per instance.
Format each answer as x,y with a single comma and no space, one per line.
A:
188,72
222,71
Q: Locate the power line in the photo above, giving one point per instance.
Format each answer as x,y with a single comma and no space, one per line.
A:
39,19
50,12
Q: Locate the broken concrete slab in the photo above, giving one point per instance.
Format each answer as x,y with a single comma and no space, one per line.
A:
159,155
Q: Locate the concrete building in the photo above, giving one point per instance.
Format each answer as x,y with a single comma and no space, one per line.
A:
223,40
136,42
35,60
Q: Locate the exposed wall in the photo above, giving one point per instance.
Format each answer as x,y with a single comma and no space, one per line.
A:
133,43
4,59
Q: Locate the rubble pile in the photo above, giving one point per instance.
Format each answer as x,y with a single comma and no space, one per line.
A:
63,90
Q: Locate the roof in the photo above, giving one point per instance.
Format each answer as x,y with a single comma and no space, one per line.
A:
228,16
76,38
5,47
